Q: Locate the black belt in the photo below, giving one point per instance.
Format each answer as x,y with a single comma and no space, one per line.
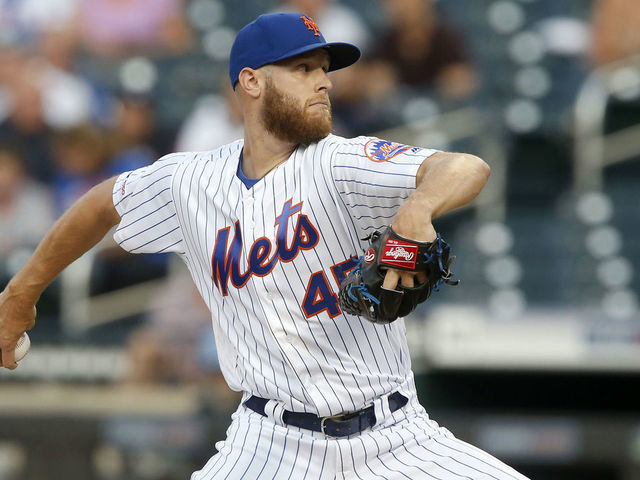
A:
335,425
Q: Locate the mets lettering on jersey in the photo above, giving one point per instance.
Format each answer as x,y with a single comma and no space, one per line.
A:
261,261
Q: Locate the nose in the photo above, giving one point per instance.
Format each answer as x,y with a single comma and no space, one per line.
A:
324,82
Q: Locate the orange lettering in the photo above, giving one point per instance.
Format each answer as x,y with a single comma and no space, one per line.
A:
311,25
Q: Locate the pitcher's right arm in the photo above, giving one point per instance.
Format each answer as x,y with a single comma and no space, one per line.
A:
81,227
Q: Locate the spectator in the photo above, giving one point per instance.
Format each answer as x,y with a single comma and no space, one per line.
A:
80,157
11,61
134,140
615,30
121,28
425,52
43,29
85,154
175,344
68,98
164,350
25,120
215,120
26,212
47,61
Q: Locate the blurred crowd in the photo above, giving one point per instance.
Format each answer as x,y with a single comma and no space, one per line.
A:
72,115
63,128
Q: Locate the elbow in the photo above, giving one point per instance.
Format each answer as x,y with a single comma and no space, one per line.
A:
469,169
478,168
485,170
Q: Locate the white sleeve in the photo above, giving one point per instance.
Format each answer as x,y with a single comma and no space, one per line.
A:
374,177
144,200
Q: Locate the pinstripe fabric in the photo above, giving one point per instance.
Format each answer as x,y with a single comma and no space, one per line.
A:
318,361
267,260
408,445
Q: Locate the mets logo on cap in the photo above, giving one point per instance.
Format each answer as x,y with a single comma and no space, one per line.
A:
383,150
311,25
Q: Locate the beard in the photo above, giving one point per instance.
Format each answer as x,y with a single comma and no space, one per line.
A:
283,117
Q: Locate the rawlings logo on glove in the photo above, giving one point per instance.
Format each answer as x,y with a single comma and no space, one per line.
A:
362,293
405,252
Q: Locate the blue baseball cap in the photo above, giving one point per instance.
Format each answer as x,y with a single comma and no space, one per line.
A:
277,36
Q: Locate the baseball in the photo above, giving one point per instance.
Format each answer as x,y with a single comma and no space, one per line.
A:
22,347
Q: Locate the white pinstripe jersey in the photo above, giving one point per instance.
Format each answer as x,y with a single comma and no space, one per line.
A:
268,259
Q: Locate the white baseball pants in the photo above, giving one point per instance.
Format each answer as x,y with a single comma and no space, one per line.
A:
406,445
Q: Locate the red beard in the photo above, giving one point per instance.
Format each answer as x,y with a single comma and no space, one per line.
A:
285,119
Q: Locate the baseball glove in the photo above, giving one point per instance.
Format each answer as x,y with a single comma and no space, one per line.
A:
361,292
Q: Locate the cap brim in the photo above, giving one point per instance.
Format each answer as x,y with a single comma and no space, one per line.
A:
341,54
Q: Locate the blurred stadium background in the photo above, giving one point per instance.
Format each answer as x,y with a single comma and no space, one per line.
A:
535,357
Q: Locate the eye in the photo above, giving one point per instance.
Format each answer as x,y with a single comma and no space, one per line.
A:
303,67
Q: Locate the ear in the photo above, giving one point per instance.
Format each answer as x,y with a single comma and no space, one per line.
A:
249,81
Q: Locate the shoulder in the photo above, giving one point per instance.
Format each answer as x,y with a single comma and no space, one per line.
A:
372,148
325,150
219,155
336,144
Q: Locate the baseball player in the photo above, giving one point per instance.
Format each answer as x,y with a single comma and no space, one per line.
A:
269,227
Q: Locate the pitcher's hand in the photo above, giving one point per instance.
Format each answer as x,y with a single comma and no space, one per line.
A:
17,315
